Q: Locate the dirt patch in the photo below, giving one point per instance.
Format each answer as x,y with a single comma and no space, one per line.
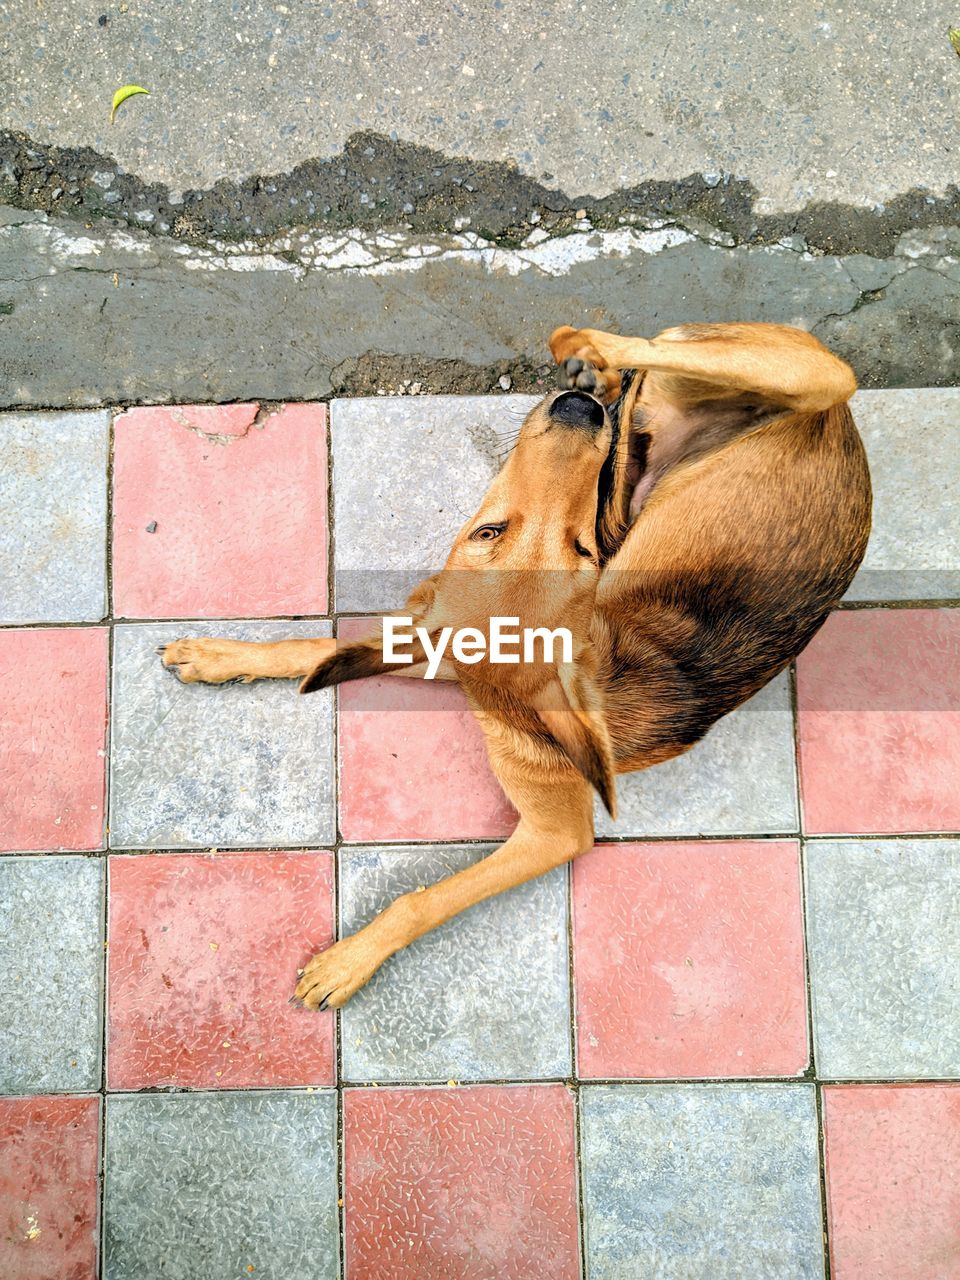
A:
379,184
374,374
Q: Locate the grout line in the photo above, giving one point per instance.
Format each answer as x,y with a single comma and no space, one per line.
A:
100,1262
335,614
920,602
482,1082
341,1158
804,940
807,973
817,1083
109,619
107,800
148,851
337,842
795,723
573,1083
331,524
104,952
108,545
587,1082
341,1164
581,1181
822,1166
571,982
807,967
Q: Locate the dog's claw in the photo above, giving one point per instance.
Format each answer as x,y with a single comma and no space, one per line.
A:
323,1004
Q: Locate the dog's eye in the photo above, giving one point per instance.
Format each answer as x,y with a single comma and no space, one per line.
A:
487,532
581,550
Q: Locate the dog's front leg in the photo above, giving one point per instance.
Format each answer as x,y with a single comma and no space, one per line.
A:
556,824
212,660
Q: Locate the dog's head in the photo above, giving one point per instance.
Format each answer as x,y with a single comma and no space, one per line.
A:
530,553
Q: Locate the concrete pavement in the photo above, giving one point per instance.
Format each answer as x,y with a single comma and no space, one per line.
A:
318,199
851,103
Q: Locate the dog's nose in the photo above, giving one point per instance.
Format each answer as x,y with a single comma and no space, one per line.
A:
577,409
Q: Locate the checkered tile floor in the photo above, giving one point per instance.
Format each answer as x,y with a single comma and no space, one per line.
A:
721,1047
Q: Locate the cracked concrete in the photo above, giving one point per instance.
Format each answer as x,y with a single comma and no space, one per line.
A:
412,203
102,314
850,104
240,420
379,183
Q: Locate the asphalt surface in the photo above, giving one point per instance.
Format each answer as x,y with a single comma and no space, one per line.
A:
854,103
350,198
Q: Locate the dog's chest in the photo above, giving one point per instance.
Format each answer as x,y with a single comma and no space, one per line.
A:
663,435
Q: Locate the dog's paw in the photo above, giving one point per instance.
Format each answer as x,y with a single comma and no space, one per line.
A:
333,976
206,661
581,367
577,375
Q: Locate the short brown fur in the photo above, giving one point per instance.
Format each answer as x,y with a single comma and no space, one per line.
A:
692,550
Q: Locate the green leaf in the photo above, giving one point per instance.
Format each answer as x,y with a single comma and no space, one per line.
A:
123,93
954,34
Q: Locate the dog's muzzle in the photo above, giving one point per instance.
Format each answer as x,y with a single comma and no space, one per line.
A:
577,409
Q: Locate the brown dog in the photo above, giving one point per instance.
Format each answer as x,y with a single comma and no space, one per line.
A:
691,523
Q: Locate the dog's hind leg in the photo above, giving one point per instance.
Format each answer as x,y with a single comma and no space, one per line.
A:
783,364
582,368
556,825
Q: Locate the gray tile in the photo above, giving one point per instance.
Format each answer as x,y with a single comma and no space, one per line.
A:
205,1187
883,931
53,516
51,963
739,780
701,1182
407,472
911,441
228,766
482,997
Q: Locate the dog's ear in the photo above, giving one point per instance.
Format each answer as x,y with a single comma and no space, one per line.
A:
571,710
354,661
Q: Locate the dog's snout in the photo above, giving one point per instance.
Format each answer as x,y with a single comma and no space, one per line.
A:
577,409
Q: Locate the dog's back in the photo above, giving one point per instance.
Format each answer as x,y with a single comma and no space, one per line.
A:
732,564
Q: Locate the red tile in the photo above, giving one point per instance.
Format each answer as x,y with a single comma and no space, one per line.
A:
688,960
878,696
413,762
240,519
48,1188
893,1181
202,962
53,724
460,1184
